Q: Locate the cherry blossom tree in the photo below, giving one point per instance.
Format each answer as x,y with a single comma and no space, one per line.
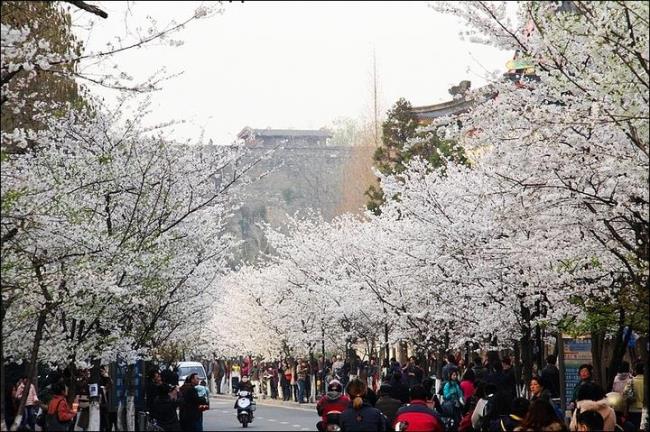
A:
110,233
578,133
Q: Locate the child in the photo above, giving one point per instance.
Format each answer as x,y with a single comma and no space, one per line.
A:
204,394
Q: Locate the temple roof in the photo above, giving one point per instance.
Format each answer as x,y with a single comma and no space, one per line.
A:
247,132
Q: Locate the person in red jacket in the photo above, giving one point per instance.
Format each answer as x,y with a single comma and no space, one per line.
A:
333,400
58,409
417,415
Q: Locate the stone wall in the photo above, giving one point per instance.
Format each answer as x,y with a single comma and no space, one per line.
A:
299,177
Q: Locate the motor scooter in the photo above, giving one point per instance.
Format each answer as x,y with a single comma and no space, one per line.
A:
245,407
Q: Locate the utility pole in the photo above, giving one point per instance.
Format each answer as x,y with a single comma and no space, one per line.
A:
375,102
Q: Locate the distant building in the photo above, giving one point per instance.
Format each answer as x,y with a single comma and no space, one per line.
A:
302,173
291,137
427,113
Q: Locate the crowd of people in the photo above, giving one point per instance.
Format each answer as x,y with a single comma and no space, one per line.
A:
63,402
484,397
480,396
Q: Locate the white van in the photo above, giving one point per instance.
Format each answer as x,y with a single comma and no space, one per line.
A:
187,368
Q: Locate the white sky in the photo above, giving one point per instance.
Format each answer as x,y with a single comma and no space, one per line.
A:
294,64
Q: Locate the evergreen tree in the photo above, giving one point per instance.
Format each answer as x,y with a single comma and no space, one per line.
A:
401,141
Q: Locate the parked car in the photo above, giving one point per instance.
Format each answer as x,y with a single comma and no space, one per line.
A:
185,368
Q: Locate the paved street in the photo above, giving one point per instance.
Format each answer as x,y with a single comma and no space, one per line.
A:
222,417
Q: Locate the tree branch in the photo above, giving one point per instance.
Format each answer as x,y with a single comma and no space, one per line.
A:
88,7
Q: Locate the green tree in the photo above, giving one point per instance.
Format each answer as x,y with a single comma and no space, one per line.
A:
52,24
402,140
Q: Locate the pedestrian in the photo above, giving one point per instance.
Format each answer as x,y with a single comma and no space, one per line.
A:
450,366
151,388
11,403
399,390
590,421
60,417
169,375
417,415
453,397
480,371
537,390
591,397
164,408
541,418
294,380
301,370
373,374
467,384
412,372
83,380
107,404
285,381
273,371
31,404
616,401
191,416
585,372
485,410
388,405
255,377
637,398
218,372
551,376
360,416
510,422
622,378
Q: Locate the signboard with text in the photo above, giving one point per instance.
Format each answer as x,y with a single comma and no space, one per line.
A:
576,352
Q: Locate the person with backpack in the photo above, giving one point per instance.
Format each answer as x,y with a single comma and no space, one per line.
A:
59,416
486,409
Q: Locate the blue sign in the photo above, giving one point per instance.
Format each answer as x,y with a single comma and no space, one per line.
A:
576,353
120,372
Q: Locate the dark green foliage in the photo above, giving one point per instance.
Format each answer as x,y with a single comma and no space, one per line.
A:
401,127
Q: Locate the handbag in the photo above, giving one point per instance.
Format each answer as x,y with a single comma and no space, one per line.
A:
628,392
40,418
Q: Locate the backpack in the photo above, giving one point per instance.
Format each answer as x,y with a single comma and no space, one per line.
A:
489,414
52,422
628,392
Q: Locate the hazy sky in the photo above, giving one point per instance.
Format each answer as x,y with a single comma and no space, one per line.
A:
295,65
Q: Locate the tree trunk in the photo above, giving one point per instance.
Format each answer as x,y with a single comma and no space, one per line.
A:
31,371
597,349
517,368
130,413
130,397
121,416
526,355
620,346
3,380
93,410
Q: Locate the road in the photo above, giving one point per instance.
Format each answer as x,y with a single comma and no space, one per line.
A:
222,417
